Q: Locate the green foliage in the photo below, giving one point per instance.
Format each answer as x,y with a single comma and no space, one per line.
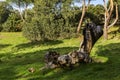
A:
4,13
50,21
20,3
13,23
96,14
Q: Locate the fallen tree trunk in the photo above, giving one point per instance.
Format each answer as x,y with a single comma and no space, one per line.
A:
91,33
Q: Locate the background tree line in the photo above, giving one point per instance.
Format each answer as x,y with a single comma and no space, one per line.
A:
48,19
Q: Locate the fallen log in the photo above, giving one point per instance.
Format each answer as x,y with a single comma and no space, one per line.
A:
91,33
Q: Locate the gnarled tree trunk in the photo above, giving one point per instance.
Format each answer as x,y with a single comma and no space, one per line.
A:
91,33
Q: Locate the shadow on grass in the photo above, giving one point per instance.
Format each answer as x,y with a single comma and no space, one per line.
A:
115,34
93,71
4,45
110,50
21,62
30,44
8,71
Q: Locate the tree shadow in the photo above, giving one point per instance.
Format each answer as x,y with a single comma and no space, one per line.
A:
33,59
4,45
34,44
93,71
109,50
37,56
115,34
7,71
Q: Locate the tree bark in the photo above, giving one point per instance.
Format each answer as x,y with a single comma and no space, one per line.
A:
108,13
91,33
84,8
26,5
116,6
21,17
19,5
81,19
105,34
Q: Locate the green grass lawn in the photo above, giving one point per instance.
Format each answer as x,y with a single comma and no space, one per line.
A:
17,54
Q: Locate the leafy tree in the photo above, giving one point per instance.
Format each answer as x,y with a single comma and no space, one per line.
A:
108,13
38,28
50,20
21,4
18,4
84,9
13,23
96,14
4,13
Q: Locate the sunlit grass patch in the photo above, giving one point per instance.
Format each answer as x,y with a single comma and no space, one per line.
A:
17,55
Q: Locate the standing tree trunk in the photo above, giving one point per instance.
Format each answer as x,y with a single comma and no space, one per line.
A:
25,13
108,13
22,16
19,5
83,14
91,33
84,8
26,5
105,28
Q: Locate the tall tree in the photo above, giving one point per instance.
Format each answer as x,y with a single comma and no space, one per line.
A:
13,23
18,4
21,4
26,4
50,20
95,14
107,15
84,9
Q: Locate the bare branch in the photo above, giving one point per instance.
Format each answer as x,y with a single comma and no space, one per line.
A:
105,7
108,13
116,6
111,9
88,3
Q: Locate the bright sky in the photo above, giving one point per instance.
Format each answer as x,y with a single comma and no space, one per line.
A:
2,0
95,2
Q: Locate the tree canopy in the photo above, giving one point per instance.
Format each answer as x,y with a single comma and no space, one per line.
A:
47,20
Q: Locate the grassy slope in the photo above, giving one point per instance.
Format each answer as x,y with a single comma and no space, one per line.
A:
17,55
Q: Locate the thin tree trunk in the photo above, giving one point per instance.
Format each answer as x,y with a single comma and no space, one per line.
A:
108,13
81,19
19,5
26,5
105,32
116,6
21,17
84,8
25,14
105,26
